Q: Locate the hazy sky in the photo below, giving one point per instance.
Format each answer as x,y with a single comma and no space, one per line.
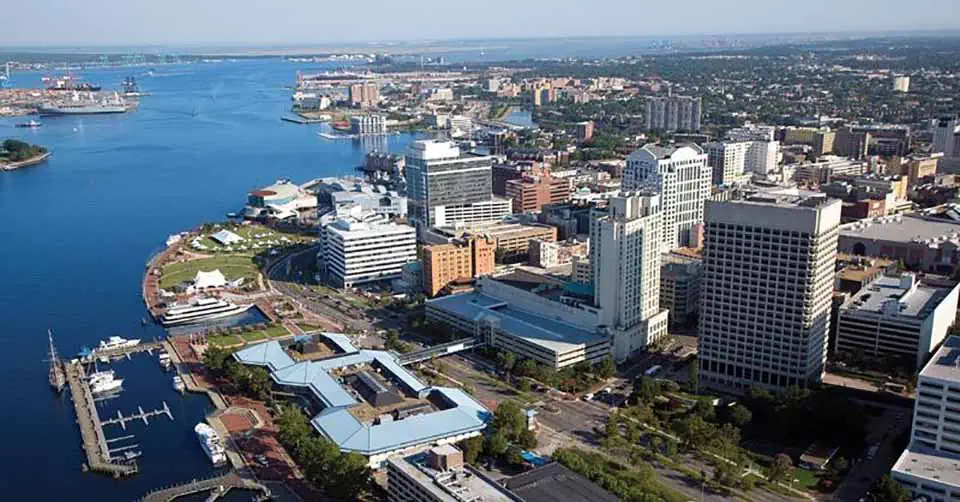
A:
172,22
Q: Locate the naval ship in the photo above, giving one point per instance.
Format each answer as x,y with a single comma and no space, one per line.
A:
86,105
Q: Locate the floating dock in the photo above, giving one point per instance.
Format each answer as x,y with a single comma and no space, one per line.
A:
225,482
91,430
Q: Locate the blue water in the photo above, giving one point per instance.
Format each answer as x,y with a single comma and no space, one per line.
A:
76,232
520,117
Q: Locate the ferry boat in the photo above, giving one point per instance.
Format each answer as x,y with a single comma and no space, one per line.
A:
33,124
201,309
104,381
116,342
211,443
178,384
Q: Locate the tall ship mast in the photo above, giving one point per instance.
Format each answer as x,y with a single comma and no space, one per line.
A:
57,378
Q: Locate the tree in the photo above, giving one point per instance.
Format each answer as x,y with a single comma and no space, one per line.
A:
739,415
510,419
524,385
351,477
528,439
258,383
839,466
693,376
514,455
606,368
472,447
781,469
888,490
528,368
215,359
612,430
497,444
646,389
506,361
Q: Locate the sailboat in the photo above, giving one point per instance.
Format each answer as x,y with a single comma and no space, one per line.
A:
57,378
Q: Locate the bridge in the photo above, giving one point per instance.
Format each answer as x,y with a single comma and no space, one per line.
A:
439,350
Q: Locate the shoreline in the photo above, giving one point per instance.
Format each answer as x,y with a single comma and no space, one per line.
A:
11,166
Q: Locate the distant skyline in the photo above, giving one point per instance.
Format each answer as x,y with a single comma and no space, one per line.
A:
302,22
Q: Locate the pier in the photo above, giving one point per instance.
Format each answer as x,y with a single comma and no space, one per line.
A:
91,429
127,351
224,483
143,415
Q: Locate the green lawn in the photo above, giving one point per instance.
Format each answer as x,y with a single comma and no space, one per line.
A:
254,336
247,232
233,267
277,330
806,480
224,340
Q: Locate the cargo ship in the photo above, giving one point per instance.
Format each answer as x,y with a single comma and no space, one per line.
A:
68,83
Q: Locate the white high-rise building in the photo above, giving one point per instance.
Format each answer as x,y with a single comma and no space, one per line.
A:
625,258
728,160
356,252
762,157
945,131
766,290
681,176
901,83
928,467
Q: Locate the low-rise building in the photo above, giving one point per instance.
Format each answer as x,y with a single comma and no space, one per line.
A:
462,259
582,272
548,254
554,482
571,219
531,193
513,239
825,169
920,241
440,475
585,130
365,125
897,317
357,252
928,467
527,318
279,200
365,401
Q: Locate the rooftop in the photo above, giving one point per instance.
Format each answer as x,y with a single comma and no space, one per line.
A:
452,485
550,334
945,363
860,268
903,228
922,462
913,300
452,412
554,482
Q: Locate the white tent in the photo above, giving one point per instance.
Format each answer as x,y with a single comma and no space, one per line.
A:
226,237
214,279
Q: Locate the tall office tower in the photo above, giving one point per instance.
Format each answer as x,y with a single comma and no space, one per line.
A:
761,157
441,178
674,113
728,161
944,135
682,177
625,253
768,272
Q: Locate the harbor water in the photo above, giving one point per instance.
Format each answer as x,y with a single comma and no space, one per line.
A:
78,229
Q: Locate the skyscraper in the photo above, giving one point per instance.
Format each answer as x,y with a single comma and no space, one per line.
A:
768,271
625,260
674,113
681,176
439,176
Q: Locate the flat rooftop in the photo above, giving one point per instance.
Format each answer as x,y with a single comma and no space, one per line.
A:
554,482
945,363
453,485
926,463
902,228
858,268
550,334
918,301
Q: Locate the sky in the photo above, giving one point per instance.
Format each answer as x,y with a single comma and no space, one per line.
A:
272,22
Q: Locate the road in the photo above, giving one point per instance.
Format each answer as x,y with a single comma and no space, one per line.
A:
882,431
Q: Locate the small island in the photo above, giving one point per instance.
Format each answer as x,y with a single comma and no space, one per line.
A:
15,154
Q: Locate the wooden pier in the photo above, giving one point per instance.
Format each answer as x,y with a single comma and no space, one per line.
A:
126,351
91,430
224,482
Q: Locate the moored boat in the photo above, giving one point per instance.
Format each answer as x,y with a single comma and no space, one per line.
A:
212,443
199,310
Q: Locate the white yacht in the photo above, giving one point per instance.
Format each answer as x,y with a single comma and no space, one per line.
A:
116,342
199,310
211,443
165,360
178,383
104,381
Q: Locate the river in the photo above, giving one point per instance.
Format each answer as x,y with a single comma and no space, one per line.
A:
77,230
